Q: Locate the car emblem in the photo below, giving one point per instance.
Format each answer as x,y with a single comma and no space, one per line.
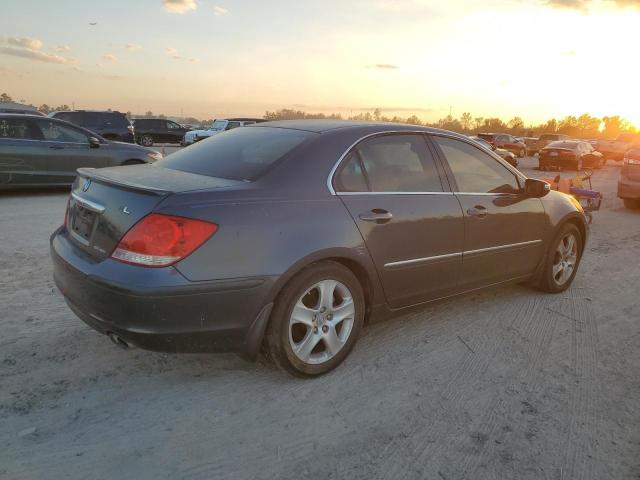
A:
126,210
87,184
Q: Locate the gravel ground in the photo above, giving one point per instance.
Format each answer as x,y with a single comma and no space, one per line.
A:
507,383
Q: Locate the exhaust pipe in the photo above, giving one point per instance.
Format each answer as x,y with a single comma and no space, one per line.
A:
119,341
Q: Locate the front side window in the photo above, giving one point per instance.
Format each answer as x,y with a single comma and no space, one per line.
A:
390,163
58,132
173,126
232,125
474,170
16,128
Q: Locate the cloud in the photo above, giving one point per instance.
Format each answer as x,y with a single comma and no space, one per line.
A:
219,11
25,42
179,6
133,47
173,53
383,66
61,48
33,55
110,57
584,5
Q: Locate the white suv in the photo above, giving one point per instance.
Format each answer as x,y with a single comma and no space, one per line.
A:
219,125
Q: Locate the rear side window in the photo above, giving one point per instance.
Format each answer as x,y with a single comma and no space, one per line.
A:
17,128
474,170
67,117
240,154
390,163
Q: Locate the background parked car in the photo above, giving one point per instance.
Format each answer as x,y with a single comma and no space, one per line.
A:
158,130
544,140
37,151
508,142
219,125
571,154
505,154
109,125
616,149
629,182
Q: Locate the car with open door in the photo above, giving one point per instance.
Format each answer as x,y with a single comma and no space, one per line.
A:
286,237
39,151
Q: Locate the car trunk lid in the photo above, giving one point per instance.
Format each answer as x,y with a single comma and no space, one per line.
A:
105,203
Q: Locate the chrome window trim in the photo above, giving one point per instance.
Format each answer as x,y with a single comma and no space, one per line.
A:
88,204
504,163
348,150
437,258
392,193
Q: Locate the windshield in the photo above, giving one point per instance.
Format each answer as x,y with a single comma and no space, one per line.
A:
219,125
240,154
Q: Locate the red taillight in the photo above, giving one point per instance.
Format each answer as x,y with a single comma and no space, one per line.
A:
160,240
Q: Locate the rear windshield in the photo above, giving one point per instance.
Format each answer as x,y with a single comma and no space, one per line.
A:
569,145
239,154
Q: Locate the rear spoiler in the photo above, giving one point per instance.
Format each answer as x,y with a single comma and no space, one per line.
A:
95,175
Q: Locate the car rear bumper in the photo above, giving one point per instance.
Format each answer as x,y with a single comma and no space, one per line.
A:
628,189
157,308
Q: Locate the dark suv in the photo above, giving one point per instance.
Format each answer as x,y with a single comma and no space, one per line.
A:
109,125
150,130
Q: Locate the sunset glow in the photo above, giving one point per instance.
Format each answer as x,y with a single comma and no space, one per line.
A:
211,58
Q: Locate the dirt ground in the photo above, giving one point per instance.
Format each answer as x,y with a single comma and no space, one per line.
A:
505,384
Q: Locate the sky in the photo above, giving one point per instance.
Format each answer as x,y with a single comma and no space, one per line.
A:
536,59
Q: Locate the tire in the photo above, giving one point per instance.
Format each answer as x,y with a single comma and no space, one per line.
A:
146,140
559,269
632,203
287,336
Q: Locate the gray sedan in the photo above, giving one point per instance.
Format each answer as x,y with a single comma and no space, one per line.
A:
287,237
39,151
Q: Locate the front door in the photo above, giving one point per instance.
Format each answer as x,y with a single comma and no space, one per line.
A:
503,228
66,149
412,225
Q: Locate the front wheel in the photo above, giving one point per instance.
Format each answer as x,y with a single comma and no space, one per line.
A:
316,320
146,140
562,260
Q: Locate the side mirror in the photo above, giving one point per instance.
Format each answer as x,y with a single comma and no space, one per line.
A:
94,142
534,188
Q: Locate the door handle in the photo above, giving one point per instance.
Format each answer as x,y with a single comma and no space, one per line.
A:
477,211
377,215
57,147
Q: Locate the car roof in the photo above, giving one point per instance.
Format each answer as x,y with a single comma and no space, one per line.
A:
89,111
20,115
321,126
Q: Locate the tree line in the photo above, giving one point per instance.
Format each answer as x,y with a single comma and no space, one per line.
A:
584,126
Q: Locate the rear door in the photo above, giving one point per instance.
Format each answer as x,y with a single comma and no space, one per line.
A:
66,149
174,132
411,222
503,228
22,154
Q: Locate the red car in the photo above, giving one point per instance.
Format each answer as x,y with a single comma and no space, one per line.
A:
570,154
505,141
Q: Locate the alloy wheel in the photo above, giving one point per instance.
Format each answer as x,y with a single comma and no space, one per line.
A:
321,322
565,259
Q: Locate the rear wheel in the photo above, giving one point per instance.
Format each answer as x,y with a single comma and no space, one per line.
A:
146,140
632,203
316,320
562,260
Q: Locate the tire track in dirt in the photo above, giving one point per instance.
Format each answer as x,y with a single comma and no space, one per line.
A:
413,447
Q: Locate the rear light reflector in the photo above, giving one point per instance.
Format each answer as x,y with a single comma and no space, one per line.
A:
161,240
